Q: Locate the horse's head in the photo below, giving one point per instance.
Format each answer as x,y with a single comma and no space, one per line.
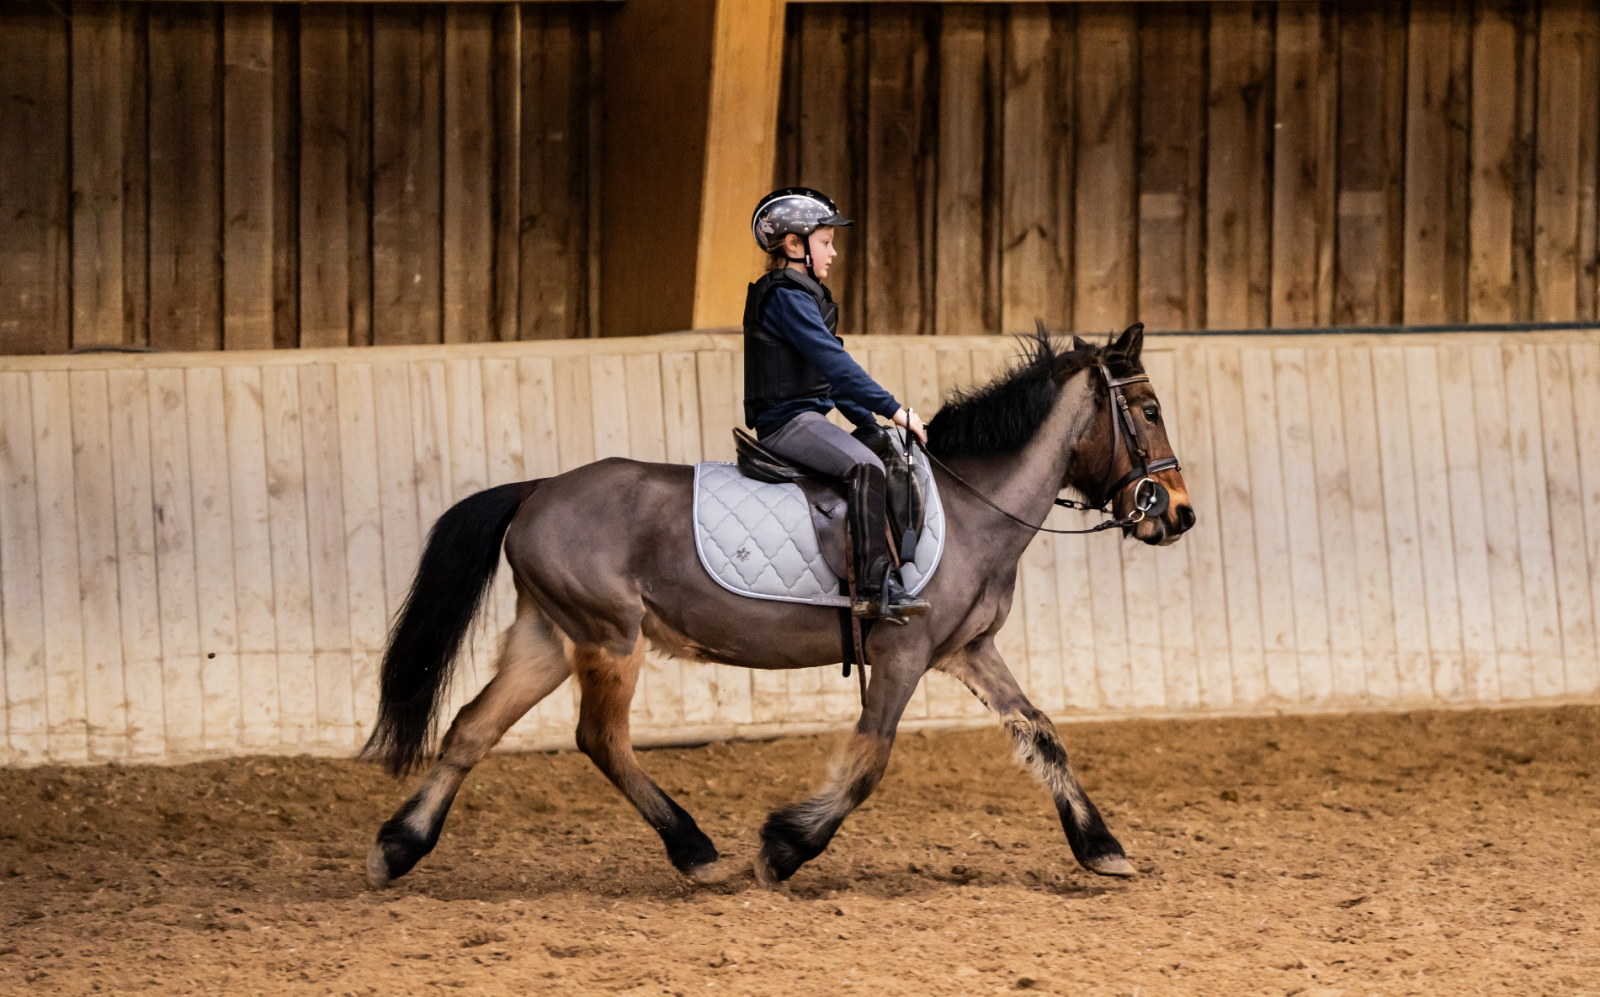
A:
1125,457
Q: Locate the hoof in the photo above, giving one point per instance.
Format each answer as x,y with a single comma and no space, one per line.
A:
708,874
377,868
765,874
1111,865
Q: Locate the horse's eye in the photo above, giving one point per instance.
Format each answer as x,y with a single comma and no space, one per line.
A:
1151,412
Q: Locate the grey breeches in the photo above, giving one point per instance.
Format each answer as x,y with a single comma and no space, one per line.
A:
812,440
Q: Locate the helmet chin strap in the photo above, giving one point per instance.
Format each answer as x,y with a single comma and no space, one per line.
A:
805,241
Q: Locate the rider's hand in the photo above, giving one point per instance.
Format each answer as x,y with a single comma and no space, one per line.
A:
907,419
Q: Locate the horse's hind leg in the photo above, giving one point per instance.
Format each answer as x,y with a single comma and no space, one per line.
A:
531,665
1038,746
607,682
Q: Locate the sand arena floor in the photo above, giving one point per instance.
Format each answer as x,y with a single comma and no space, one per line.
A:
1436,854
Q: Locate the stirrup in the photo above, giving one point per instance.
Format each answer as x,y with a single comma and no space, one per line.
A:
891,603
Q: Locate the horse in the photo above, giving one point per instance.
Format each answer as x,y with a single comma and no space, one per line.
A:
604,563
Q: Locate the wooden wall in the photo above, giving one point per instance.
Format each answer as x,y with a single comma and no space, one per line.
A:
198,176
1206,165
200,553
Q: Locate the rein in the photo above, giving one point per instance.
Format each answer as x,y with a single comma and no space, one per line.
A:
1149,497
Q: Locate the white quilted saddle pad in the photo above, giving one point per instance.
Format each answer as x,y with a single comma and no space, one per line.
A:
756,539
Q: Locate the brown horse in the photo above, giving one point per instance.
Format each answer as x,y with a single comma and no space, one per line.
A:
605,565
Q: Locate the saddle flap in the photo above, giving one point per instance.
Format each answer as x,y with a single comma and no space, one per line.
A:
825,500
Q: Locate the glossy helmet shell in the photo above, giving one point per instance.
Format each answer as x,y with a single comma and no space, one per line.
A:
800,210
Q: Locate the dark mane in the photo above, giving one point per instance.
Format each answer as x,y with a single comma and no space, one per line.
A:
1002,416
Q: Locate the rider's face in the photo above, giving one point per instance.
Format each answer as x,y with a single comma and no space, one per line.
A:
822,251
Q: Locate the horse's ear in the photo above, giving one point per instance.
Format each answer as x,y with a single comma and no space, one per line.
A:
1131,342
1082,345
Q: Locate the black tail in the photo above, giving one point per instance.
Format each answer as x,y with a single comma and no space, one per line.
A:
458,566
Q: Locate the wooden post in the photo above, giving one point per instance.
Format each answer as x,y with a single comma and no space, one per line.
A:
687,153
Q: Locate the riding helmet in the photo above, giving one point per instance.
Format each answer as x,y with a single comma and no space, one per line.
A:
800,210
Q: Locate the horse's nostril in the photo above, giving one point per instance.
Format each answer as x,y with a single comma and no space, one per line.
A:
1185,518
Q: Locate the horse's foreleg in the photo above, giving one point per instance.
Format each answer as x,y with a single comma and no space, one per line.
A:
801,831
607,682
531,665
982,670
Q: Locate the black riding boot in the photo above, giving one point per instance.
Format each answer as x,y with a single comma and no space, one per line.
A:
879,594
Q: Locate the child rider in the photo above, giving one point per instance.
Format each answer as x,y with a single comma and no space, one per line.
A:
796,371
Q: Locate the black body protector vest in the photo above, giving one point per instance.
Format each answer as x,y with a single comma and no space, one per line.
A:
774,371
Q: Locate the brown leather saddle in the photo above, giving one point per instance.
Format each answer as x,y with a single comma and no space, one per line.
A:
825,494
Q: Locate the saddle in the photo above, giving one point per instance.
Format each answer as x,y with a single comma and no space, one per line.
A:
825,494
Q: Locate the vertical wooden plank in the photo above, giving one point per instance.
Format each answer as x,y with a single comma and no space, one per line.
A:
1303,164
1171,166
1541,590
1273,564
325,538
1176,649
1434,521
1368,508
963,267
136,175
609,391
717,416
430,435
647,437
175,564
270,596
1512,676
900,176
397,479
1371,153
325,168
1564,488
830,138
1436,167
1399,480
1585,367
65,693
1105,240
1327,446
1036,164
1079,690
365,542
506,85
22,582
1588,128
359,186
284,79
99,112
137,596
574,408
554,234
214,562
105,701
1480,680
1492,189
35,242
1037,617
1238,167
1191,403
1563,119
680,399
1113,671
536,389
469,224
406,168
1301,496
185,204
247,160
1236,520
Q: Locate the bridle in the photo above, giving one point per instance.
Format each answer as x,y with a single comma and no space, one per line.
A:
1150,496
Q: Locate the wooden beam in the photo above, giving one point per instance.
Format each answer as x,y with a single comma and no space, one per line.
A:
741,143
